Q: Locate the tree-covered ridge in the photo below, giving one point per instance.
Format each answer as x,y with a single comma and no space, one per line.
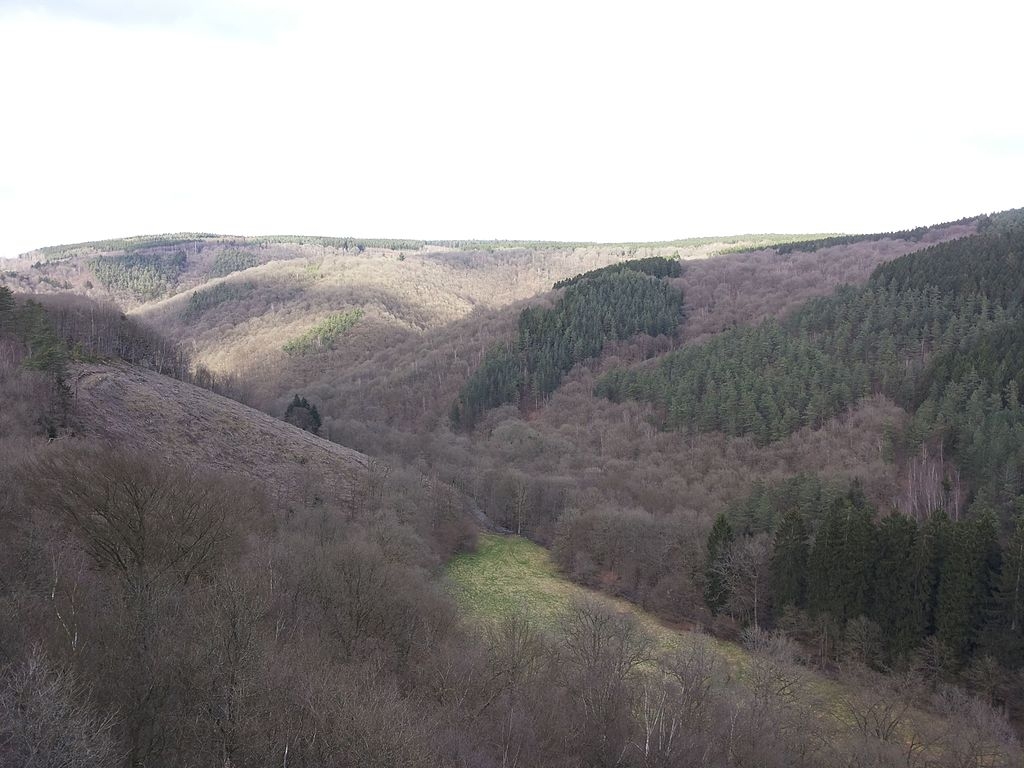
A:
990,264
140,275
886,589
137,243
207,298
832,240
323,335
655,266
772,379
937,331
608,306
233,260
147,242
341,243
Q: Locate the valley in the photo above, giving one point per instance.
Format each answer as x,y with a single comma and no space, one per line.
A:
766,494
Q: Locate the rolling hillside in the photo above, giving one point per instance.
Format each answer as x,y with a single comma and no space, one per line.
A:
154,415
835,381
509,577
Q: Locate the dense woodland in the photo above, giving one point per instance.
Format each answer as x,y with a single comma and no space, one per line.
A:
605,305
139,275
939,331
893,590
852,510
812,244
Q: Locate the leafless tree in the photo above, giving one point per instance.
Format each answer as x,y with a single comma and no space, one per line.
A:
982,737
46,720
876,710
745,571
602,651
152,529
676,707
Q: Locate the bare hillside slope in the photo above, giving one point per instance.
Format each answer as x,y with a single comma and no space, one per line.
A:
156,415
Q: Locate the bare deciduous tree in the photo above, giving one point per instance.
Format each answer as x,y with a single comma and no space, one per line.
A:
46,719
602,650
746,572
982,736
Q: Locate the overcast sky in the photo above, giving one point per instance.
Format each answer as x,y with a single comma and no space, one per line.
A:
546,120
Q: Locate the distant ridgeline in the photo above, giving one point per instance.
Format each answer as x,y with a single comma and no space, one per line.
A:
199,239
832,240
940,330
615,302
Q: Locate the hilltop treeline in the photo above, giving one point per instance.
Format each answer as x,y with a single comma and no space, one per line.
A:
655,266
938,330
341,243
128,244
608,305
915,234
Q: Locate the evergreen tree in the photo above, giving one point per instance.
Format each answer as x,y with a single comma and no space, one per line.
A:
1010,647
789,562
927,564
716,592
303,414
824,559
893,589
856,563
966,584
6,307
608,305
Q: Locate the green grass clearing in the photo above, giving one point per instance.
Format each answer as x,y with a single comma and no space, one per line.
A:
508,572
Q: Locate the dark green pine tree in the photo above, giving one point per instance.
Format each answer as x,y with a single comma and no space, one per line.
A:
985,607
789,562
822,565
956,587
46,352
6,307
856,563
967,583
1010,648
893,606
716,592
927,563
303,415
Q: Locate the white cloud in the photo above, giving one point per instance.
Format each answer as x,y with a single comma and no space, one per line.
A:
549,120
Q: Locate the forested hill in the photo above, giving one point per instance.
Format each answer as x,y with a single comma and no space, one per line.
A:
604,305
941,332
722,441
938,330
